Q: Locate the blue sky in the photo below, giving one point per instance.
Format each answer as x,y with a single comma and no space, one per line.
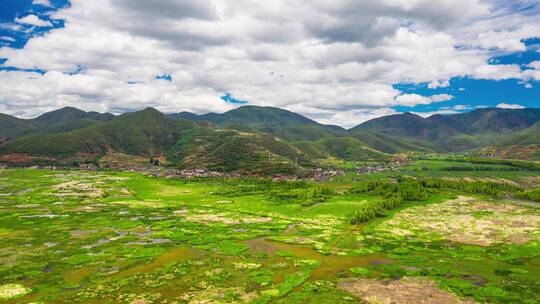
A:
372,59
474,93
11,9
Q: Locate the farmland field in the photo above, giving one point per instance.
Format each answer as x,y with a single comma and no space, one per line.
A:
453,233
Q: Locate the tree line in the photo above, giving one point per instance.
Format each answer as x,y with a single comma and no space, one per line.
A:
393,195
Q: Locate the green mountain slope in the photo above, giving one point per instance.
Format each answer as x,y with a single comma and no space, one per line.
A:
423,132
389,144
69,114
528,136
406,124
266,119
231,150
13,127
62,120
524,144
264,139
144,133
186,144
303,133
314,139
346,148
490,120
66,126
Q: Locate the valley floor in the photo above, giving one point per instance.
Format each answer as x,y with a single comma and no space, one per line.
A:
110,237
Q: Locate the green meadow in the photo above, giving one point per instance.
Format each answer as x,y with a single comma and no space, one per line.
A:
434,231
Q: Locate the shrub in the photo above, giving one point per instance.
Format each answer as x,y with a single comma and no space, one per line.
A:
530,195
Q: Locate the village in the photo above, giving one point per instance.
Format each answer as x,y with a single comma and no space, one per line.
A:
157,170
157,166
368,168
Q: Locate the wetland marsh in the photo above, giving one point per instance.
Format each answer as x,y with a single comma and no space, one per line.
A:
111,237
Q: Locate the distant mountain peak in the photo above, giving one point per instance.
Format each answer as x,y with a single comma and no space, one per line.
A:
70,113
146,113
63,113
262,118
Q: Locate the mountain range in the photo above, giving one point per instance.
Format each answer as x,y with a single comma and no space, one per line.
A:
261,139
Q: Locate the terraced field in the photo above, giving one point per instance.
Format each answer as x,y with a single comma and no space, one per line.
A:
106,237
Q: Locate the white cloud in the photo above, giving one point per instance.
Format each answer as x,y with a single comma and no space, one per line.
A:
42,2
508,40
505,40
415,99
412,100
535,65
334,60
509,106
498,72
439,84
33,20
533,73
462,107
6,38
441,112
441,97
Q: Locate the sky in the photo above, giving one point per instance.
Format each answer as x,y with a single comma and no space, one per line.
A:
339,62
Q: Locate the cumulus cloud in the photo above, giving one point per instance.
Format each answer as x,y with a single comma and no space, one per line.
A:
510,106
33,20
535,64
416,99
439,84
533,73
169,9
42,2
498,71
335,61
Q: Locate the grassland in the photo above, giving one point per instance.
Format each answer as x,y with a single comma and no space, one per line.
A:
462,233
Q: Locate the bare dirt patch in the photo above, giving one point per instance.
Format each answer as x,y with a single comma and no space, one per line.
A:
408,290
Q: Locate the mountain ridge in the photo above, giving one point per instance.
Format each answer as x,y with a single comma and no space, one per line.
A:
257,117
64,119
263,136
